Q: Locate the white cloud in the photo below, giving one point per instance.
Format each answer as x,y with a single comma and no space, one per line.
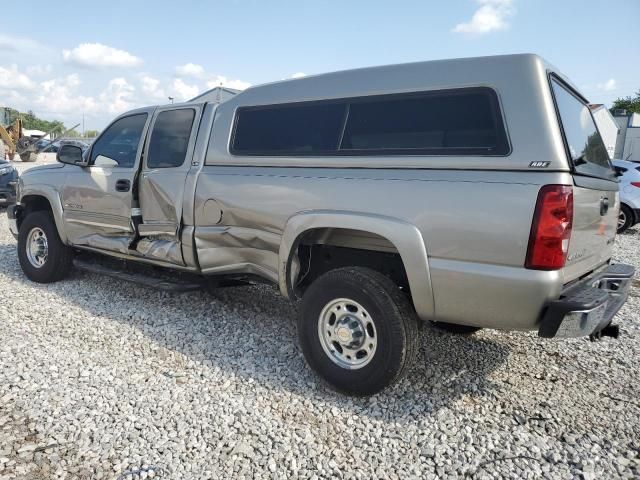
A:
12,97
58,96
36,85
12,78
19,44
72,80
608,86
196,71
220,81
118,96
190,70
298,75
98,55
183,91
151,88
491,15
39,70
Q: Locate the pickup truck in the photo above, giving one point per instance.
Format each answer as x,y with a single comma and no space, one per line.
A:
471,193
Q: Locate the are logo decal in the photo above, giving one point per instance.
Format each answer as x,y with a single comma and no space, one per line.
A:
539,164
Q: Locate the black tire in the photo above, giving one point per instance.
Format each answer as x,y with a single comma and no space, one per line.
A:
28,157
626,218
455,328
396,329
59,257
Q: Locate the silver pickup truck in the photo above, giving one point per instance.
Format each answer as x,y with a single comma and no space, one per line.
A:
471,193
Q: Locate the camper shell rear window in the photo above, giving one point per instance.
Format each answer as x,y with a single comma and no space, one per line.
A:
586,151
456,122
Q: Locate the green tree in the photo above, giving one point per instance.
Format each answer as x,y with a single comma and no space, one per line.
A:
31,122
91,133
630,104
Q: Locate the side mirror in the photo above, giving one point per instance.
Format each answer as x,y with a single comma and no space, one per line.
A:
70,154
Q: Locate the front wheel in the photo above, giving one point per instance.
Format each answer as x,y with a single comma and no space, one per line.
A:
625,218
357,330
42,255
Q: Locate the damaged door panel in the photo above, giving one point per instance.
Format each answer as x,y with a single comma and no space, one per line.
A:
162,181
97,197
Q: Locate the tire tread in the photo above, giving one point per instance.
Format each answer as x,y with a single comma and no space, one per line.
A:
59,253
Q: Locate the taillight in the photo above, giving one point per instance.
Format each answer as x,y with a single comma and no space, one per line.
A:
551,228
636,184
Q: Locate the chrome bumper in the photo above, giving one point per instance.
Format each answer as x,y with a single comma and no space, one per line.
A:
588,306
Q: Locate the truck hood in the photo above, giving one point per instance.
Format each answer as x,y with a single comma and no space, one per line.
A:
40,168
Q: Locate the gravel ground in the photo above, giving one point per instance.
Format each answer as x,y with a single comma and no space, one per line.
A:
100,379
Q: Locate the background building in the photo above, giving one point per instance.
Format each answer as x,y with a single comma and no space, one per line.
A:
628,144
607,126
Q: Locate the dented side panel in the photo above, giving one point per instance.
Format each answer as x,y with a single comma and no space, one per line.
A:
237,249
257,209
162,191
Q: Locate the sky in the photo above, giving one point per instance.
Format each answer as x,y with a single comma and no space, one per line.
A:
98,59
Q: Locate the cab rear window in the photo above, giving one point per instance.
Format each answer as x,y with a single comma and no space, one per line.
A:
586,149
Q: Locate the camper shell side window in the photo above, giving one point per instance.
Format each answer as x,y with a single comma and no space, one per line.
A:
460,122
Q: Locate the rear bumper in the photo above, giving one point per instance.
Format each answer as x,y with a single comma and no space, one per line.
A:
587,307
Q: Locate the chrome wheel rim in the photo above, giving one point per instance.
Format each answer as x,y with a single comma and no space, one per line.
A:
622,219
37,247
347,333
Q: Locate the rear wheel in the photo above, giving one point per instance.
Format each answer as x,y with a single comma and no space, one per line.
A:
357,330
625,218
42,255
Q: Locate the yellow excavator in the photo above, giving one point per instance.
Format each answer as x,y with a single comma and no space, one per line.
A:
16,142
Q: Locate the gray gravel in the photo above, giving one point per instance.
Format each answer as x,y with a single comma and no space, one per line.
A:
100,379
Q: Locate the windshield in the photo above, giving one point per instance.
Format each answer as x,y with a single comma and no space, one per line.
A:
587,150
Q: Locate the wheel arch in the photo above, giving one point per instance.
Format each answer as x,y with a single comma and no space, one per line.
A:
401,235
43,198
635,213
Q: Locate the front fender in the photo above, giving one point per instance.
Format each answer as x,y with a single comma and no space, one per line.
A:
52,196
405,236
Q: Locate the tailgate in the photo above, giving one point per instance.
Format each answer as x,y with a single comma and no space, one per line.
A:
595,191
593,234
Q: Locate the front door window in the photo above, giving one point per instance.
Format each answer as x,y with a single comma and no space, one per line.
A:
118,145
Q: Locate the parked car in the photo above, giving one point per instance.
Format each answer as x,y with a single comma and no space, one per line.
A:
380,197
49,146
8,182
629,193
